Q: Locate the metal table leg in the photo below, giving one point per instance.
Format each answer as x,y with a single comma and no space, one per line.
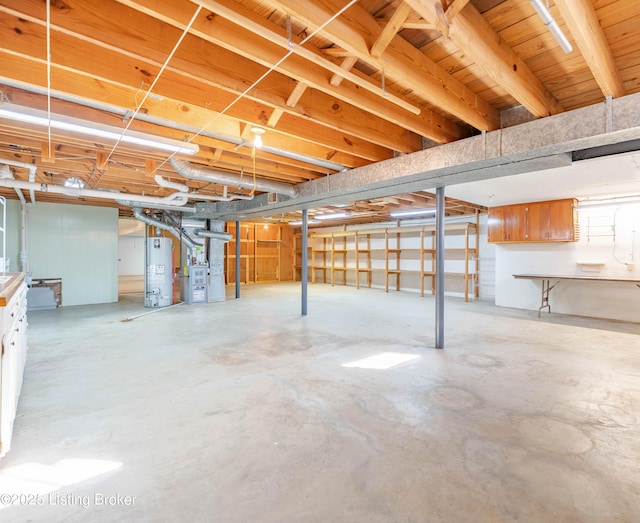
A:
546,290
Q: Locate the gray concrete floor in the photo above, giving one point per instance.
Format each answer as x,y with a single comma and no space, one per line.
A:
245,411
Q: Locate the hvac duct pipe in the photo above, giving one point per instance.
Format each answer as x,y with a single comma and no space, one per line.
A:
177,198
214,235
439,267
168,184
158,206
211,197
205,174
137,212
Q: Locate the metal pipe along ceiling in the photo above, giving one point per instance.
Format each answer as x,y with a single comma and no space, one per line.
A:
178,198
206,174
214,235
139,215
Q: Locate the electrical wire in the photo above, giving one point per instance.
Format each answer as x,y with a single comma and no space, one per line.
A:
49,74
155,81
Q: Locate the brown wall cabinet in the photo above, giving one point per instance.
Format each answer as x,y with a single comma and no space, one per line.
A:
551,221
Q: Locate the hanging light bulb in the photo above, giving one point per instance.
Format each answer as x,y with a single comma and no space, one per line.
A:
257,138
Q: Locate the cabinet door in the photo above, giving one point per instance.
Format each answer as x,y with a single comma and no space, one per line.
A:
496,225
515,223
562,220
537,221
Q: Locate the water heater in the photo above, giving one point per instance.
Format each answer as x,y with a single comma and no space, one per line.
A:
159,273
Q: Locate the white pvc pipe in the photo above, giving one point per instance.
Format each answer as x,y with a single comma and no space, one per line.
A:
24,258
168,184
208,197
177,198
32,175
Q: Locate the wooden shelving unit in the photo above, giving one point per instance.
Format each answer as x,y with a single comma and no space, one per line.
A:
363,252
398,251
265,253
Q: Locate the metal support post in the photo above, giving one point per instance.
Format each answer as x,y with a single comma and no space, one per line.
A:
439,268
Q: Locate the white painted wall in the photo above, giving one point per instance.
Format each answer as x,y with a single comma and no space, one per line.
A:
130,256
598,244
76,243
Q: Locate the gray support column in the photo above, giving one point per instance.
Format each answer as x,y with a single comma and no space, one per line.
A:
439,267
237,259
216,264
304,270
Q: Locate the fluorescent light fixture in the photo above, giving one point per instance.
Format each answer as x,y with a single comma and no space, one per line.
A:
332,216
299,222
414,212
549,21
74,183
75,125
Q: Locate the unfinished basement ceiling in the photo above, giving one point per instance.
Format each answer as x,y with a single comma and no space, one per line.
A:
335,84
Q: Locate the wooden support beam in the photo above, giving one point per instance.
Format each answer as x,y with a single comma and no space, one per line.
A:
390,30
274,118
582,21
348,63
296,94
473,35
248,19
150,167
48,152
194,82
102,160
454,8
357,30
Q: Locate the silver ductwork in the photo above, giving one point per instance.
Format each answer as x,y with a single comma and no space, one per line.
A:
184,238
206,174
158,206
214,235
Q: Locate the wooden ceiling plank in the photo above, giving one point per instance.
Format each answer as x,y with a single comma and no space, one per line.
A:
390,30
582,21
356,30
473,35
